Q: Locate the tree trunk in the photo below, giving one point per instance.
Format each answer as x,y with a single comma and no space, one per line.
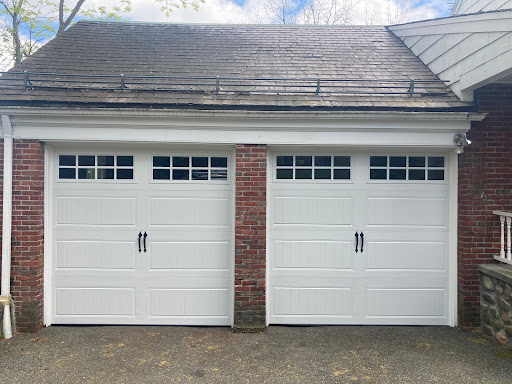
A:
16,38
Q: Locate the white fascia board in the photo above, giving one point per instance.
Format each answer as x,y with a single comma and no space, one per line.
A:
235,127
473,23
497,68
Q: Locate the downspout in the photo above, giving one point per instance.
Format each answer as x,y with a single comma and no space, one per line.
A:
6,226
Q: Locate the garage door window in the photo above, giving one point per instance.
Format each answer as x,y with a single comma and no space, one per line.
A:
407,168
320,167
95,167
184,168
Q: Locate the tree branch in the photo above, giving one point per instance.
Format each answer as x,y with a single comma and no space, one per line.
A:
71,16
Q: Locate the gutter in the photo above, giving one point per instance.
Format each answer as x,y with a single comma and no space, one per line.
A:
5,298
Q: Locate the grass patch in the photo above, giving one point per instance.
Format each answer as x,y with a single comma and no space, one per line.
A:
505,354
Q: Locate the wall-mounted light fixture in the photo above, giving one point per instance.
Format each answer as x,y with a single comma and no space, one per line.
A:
461,140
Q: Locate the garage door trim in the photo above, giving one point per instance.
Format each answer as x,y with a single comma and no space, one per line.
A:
451,168
51,172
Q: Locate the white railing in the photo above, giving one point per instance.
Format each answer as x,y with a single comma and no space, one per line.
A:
505,255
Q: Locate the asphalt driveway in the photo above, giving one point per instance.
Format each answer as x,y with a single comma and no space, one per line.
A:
128,354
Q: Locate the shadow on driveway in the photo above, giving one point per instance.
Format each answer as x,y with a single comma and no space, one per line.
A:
349,354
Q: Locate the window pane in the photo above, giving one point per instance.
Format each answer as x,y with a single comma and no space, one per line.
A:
127,174
397,161
159,161
179,161
303,173
85,161
322,161
221,162
285,161
416,174
342,174
106,161
436,174
397,174
342,161
378,174
107,173
158,174
284,174
86,173
67,173
126,161
322,173
416,161
219,174
180,174
303,161
436,162
378,161
199,174
200,162
67,160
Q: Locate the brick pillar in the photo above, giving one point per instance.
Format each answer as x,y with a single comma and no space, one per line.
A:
27,234
1,196
485,185
250,236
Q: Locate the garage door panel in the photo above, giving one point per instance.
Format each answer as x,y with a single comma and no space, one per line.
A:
183,273
189,255
312,254
313,211
104,255
95,301
317,301
189,212
400,302
188,302
401,276
96,211
410,212
400,255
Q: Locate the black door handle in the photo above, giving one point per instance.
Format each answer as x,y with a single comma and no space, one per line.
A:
362,241
140,235
357,241
145,235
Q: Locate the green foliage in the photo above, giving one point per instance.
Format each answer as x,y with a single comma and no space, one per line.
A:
25,25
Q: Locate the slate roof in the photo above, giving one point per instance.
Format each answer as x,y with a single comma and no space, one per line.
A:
242,51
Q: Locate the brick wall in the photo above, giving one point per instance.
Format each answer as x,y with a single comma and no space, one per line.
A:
485,185
27,234
1,197
250,236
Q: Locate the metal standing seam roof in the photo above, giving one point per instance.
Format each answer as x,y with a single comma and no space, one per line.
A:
371,57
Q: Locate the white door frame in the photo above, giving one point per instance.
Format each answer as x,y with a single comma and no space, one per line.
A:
49,175
451,167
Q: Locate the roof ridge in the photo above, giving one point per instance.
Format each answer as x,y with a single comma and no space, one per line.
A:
135,22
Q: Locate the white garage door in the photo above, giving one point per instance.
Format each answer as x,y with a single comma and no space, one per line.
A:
142,237
398,207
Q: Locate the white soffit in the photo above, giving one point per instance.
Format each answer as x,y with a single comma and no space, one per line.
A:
469,51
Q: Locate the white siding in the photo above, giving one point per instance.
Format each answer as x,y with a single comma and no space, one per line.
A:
468,51
464,7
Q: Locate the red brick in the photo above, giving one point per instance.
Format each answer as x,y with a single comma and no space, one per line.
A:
250,235
27,232
485,185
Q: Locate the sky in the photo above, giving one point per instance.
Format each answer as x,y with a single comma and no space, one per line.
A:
249,11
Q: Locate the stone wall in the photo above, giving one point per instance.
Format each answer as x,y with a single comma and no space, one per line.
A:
496,302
